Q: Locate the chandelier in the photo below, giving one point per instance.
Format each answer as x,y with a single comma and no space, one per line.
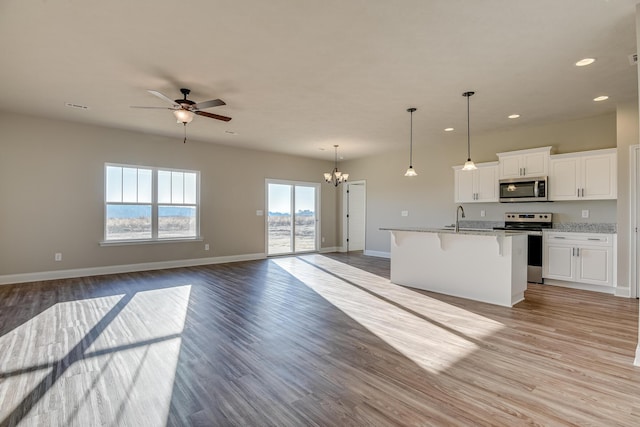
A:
335,177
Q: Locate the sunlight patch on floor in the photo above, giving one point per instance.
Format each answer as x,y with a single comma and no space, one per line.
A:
433,334
122,345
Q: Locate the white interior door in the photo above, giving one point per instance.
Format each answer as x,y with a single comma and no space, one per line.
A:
292,219
356,216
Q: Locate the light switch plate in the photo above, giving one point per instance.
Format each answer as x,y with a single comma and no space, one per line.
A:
404,213
585,213
483,213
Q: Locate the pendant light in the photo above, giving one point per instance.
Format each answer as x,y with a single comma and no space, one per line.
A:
411,171
335,177
468,165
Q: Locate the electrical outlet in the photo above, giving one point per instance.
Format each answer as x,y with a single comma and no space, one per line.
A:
585,213
483,213
206,246
404,213
58,256
259,213
322,239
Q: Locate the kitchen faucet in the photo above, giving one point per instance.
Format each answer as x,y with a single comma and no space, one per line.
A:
460,208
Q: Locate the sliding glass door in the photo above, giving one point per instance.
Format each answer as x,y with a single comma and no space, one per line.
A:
292,217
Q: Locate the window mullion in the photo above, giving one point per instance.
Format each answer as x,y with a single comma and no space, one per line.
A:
154,204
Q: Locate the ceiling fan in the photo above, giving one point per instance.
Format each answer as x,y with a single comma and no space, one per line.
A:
184,109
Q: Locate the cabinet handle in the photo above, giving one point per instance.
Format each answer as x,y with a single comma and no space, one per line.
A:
524,171
559,237
597,239
577,251
583,192
578,195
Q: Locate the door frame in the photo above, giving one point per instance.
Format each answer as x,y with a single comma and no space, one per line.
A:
345,211
634,220
317,186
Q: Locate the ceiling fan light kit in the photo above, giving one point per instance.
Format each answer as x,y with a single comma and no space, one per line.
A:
185,109
183,116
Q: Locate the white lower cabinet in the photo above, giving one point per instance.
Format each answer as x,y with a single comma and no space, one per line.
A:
579,257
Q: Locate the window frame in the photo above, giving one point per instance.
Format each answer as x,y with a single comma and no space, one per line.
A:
154,207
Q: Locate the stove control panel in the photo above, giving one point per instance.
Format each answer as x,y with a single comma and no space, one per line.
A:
527,217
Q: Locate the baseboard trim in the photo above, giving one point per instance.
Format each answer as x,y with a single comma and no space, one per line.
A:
582,286
636,362
623,292
330,249
125,268
378,254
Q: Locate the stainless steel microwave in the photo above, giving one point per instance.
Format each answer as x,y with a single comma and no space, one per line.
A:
523,190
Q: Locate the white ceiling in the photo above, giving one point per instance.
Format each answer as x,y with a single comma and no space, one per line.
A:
299,76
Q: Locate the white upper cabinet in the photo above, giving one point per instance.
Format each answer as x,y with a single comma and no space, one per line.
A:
524,163
480,185
589,175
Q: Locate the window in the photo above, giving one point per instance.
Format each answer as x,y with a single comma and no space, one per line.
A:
143,203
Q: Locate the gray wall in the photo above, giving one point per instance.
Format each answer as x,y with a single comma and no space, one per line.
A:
51,190
429,196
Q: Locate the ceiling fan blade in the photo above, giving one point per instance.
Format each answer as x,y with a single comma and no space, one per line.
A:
152,108
213,116
209,104
161,96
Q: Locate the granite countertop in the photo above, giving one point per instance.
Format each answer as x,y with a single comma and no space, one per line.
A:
584,227
464,231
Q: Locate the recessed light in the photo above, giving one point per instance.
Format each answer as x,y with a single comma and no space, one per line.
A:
601,98
448,129
514,116
585,61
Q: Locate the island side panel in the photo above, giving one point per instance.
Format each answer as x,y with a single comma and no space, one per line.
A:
476,267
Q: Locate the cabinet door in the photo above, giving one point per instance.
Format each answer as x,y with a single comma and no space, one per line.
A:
510,167
535,164
487,184
563,179
599,177
595,266
558,262
464,186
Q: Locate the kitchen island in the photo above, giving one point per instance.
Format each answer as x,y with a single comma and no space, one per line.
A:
482,265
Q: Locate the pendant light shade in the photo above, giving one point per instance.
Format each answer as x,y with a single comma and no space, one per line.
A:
411,171
183,116
335,177
468,165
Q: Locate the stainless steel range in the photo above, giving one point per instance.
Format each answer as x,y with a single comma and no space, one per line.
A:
532,224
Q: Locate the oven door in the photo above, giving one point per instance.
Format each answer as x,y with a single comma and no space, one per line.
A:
534,257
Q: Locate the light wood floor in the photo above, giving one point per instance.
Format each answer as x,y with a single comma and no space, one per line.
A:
312,340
